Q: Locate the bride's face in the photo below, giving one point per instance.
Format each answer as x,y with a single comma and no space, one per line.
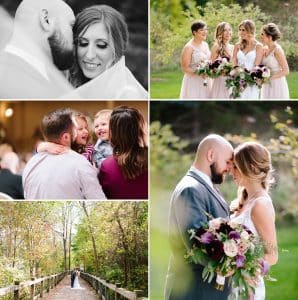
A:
95,50
237,176
244,34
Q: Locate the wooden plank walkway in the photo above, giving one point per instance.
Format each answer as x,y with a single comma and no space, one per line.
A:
63,291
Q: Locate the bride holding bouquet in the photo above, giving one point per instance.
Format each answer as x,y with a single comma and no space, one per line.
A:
248,53
252,172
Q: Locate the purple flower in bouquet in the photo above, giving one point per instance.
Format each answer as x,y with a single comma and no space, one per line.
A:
234,235
207,237
240,260
214,66
231,248
225,228
215,250
260,75
247,229
264,267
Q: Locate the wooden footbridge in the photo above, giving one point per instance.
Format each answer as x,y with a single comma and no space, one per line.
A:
57,287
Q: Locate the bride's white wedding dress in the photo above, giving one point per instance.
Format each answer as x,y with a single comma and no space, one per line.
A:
76,283
245,218
247,60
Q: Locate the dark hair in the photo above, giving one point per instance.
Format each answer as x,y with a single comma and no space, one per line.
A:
55,123
127,132
197,25
115,26
272,30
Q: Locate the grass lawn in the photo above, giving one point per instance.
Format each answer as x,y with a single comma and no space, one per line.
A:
286,271
166,84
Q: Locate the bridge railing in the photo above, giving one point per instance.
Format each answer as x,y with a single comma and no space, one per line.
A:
35,287
109,291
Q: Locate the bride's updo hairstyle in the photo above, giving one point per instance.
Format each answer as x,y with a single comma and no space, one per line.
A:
253,161
115,26
250,28
197,25
219,39
272,30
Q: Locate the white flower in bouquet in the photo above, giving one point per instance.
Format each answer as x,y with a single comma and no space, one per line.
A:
215,223
230,248
244,235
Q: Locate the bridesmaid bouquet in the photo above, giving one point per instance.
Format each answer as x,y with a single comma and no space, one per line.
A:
203,69
238,79
228,249
260,74
225,67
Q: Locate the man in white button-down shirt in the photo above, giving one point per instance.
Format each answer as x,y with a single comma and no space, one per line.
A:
65,176
40,46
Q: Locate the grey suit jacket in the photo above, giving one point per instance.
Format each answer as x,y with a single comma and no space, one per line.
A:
191,199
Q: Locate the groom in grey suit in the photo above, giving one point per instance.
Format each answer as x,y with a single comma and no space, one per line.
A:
194,196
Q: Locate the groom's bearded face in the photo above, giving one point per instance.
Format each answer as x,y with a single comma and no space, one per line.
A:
216,176
62,52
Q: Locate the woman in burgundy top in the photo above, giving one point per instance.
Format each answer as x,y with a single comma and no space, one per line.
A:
125,174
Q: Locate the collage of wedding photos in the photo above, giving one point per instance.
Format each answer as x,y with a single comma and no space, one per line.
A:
148,150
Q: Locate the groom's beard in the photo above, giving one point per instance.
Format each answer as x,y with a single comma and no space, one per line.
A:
62,56
216,177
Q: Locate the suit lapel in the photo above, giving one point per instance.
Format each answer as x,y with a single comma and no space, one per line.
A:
215,194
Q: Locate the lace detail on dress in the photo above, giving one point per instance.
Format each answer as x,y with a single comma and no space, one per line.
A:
200,54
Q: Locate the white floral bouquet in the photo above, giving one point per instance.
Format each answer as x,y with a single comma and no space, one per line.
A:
228,249
203,69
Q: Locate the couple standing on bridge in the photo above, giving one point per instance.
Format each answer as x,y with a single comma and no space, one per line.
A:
74,279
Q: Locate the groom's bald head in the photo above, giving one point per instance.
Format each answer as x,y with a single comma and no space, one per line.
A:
48,25
213,157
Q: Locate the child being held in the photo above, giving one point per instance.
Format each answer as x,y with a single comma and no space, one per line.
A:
102,148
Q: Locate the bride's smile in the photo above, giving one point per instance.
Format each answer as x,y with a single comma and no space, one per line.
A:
95,52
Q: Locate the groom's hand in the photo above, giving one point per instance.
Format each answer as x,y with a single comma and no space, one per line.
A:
228,274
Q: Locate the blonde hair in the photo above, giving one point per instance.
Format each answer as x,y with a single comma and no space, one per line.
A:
253,161
103,112
218,37
75,146
249,27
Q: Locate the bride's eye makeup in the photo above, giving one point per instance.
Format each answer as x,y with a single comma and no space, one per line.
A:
102,45
83,43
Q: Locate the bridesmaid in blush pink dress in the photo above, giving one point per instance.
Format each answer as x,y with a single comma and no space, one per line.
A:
221,48
276,61
194,53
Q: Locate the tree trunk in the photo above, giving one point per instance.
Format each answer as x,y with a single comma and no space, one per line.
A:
95,253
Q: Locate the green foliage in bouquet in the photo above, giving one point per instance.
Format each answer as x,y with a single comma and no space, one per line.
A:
228,249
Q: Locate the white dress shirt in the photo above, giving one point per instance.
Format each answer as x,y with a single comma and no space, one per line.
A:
65,176
31,60
204,176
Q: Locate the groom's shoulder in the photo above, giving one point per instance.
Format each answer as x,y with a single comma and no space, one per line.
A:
190,182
